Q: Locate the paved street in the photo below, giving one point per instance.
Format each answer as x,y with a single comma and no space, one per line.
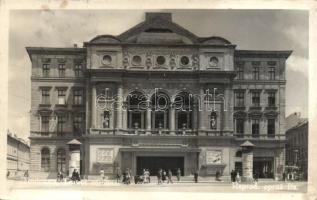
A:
85,189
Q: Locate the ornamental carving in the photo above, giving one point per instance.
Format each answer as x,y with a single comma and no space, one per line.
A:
125,60
148,61
61,60
195,61
172,60
46,60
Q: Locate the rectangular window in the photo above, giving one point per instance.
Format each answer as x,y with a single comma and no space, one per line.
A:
78,97
256,73
61,70
239,98
240,126
256,99
78,70
61,124
271,127
45,96
240,73
272,73
271,99
78,125
255,127
45,123
46,70
61,97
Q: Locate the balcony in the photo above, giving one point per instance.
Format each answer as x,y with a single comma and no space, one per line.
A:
260,137
239,108
271,107
45,134
255,108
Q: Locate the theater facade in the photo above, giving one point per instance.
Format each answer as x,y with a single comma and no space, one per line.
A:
156,96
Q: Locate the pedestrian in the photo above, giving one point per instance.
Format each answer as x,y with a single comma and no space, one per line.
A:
164,176
75,176
128,177
218,176
232,175
255,176
26,175
284,176
159,176
169,176
178,174
59,176
148,175
102,175
118,175
8,174
238,178
196,176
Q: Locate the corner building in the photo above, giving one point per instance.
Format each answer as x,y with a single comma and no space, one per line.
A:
157,96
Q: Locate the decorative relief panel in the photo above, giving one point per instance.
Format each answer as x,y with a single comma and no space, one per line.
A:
104,155
107,59
213,157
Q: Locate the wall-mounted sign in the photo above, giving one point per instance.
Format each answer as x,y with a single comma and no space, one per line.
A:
104,155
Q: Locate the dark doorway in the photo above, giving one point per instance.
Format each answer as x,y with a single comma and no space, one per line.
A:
238,167
156,163
264,167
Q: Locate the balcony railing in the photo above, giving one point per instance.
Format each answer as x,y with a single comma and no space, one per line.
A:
53,134
258,136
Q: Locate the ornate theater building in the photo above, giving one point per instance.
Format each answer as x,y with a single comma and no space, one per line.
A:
156,96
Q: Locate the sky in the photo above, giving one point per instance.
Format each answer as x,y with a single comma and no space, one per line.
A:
248,29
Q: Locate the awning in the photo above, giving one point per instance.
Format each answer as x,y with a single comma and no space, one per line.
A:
144,149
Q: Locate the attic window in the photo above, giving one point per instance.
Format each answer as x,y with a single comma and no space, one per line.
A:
158,30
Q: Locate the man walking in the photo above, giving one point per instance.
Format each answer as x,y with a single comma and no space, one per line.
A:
169,176
178,174
159,176
196,176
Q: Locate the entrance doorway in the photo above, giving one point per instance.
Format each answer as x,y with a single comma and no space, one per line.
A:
264,167
157,162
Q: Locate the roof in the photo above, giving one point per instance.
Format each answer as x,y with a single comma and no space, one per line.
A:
261,53
74,141
158,28
247,144
302,122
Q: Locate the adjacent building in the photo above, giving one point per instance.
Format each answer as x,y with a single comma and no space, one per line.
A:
157,96
18,155
297,143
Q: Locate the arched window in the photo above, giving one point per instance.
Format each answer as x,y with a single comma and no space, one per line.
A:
183,104
137,105
45,159
160,110
213,121
61,160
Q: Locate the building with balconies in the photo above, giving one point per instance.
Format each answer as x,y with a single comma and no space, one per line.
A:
157,96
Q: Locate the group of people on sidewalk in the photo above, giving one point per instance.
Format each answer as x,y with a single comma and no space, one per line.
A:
235,176
75,177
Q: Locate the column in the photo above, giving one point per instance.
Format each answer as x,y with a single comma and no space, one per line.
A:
247,161
148,118
93,106
124,115
172,120
119,107
201,112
